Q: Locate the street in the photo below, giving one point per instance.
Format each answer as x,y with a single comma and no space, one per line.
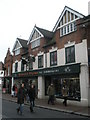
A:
9,111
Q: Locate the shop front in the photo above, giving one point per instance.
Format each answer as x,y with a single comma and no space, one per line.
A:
25,77
6,84
67,75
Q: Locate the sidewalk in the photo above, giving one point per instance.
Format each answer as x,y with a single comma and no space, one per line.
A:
85,111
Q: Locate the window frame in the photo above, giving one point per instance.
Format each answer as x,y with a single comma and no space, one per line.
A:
40,61
70,54
53,54
16,67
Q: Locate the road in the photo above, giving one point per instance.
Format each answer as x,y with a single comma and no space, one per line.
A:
9,111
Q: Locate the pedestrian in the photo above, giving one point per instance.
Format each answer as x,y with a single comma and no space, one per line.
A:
20,98
51,93
31,93
65,94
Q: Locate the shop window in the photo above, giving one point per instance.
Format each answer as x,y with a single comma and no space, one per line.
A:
53,58
16,67
72,85
40,61
70,54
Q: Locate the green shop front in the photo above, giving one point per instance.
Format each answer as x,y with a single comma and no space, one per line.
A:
64,75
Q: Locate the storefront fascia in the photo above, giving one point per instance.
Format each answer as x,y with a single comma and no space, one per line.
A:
67,69
53,71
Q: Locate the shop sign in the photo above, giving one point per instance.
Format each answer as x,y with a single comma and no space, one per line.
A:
67,69
25,74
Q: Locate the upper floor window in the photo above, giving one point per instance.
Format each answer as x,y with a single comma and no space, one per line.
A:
70,54
53,58
22,66
17,52
30,65
35,43
16,67
67,29
40,61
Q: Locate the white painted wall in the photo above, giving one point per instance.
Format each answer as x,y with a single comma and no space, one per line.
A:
48,59
84,84
19,66
41,87
81,52
61,57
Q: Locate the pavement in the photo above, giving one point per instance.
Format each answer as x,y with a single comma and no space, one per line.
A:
72,109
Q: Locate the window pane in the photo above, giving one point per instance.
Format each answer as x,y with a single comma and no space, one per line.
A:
53,58
40,61
72,54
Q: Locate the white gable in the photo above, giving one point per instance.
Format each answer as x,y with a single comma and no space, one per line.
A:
35,34
17,45
67,16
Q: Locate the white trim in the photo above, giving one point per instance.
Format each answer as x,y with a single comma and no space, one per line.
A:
71,11
32,34
15,44
68,23
53,49
40,53
35,39
69,44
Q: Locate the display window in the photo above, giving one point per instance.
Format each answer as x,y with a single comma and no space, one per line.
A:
72,84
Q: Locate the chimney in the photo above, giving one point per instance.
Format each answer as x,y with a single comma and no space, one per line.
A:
89,8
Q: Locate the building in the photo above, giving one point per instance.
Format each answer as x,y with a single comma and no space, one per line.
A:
7,81
1,74
61,56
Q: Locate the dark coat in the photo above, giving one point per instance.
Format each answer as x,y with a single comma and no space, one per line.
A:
21,95
31,93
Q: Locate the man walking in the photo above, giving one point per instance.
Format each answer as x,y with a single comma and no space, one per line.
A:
20,98
51,92
32,95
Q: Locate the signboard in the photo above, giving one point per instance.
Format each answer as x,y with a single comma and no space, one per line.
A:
66,69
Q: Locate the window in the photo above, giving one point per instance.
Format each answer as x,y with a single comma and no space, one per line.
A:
70,54
16,67
17,52
40,61
35,43
68,29
31,65
22,66
53,58
72,84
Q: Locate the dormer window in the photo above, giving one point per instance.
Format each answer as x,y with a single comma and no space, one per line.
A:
17,51
35,43
64,30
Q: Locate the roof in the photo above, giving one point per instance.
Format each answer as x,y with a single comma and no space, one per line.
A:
66,8
46,33
23,42
42,33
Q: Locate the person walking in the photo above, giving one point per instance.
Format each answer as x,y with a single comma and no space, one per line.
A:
65,94
51,93
32,95
20,98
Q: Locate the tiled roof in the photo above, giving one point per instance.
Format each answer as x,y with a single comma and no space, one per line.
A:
23,42
46,33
